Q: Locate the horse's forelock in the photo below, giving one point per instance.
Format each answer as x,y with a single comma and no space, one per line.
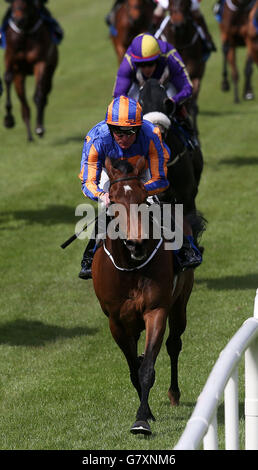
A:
122,165
152,96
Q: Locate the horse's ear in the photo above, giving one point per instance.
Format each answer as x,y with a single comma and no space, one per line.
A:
140,165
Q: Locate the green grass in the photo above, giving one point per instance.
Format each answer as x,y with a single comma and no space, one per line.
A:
64,383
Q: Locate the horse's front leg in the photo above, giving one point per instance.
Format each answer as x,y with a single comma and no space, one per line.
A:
19,82
40,96
234,72
155,322
128,345
8,119
225,86
248,89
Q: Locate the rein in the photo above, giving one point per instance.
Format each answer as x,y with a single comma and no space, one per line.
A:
17,30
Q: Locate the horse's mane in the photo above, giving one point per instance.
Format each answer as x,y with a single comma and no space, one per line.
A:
122,165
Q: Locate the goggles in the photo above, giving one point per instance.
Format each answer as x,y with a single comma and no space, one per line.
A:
124,130
149,63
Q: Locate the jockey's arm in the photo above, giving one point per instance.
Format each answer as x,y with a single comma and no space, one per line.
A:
179,77
91,166
125,76
158,157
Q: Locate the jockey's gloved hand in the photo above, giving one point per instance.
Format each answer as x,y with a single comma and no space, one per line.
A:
104,198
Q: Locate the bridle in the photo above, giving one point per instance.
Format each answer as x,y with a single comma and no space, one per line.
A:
34,27
123,178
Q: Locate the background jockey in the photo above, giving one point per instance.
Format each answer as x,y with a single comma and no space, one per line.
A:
162,7
124,134
54,26
159,13
148,57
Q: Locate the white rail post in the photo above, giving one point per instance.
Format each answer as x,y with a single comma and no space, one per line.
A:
251,390
210,440
231,412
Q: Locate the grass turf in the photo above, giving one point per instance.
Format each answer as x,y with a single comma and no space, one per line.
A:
54,340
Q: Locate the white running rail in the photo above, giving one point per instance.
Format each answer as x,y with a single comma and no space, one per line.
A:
202,426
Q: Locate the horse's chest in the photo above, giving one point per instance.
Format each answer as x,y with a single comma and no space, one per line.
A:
131,312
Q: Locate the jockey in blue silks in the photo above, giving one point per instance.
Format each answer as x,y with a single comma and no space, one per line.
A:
124,134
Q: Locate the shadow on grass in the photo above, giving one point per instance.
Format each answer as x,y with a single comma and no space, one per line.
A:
52,214
35,333
248,281
72,138
239,161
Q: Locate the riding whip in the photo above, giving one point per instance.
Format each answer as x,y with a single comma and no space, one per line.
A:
76,235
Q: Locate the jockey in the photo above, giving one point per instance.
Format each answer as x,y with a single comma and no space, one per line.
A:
198,17
53,25
124,134
148,57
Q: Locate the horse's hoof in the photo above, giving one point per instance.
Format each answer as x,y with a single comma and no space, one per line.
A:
40,131
174,397
141,427
249,96
9,121
225,86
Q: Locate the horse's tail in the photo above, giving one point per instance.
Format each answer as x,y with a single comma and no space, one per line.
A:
198,224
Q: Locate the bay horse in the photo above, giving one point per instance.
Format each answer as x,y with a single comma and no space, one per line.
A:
137,288
186,165
184,34
131,18
29,50
233,31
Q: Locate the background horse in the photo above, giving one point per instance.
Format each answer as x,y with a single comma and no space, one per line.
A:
233,30
185,168
183,33
252,33
29,50
134,281
131,18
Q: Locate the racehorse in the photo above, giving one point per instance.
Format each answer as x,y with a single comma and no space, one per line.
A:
252,33
29,50
184,34
233,30
135,282
131,18
186,165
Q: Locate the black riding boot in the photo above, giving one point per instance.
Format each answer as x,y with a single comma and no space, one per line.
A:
85,272
189,255
53,24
